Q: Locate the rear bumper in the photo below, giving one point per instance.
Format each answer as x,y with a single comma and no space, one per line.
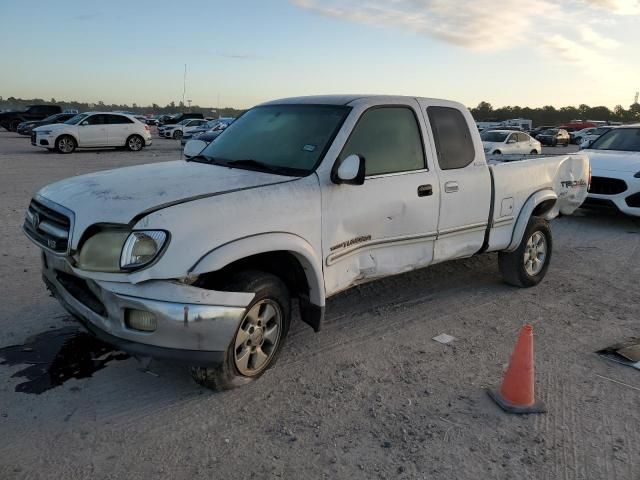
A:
187,330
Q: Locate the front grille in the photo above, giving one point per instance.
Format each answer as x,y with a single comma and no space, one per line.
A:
48,227
607,186
633,200
79,290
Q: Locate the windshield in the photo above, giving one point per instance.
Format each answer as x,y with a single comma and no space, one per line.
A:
184,122
77,119
493,136
622,139
599,131
286,139
52,118
551,131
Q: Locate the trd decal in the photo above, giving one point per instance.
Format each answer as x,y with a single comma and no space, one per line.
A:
353,241
574,183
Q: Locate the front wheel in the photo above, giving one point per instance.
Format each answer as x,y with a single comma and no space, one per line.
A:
65,144
497,152
260,334
534,152
135,143
528,264
177,135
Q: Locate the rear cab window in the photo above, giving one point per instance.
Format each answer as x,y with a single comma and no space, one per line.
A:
454,144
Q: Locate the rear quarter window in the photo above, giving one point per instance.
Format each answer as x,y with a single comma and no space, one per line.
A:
454,145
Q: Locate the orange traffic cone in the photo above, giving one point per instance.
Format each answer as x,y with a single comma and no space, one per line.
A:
517,392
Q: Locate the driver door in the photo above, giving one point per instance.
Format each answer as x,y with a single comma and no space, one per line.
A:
92,131
387,225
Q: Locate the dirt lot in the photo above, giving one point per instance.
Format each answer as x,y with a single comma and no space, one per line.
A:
371,396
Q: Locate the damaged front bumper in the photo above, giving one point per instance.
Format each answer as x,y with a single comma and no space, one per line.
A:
192,325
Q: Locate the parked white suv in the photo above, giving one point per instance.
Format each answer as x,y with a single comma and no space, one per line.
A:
92,130
496,142
198,260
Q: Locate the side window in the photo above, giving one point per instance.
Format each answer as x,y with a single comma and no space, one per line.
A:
389,140
117,119
523,137
452,137
96,120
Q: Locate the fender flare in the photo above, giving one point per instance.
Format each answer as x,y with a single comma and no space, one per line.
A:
264,243
532,202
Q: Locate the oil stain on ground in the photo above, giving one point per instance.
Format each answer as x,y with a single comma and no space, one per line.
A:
55,356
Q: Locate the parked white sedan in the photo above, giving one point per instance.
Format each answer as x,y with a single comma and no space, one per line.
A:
615,169
497,142
91,130
176,131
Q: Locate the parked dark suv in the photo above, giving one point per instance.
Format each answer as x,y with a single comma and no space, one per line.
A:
25,127
178,117
554,137
11,120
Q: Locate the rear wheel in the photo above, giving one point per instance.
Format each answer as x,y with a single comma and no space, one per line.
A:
259,337
135,143
497,152
65,144
527,265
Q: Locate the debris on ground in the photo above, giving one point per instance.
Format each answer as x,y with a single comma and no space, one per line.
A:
626,353
444,338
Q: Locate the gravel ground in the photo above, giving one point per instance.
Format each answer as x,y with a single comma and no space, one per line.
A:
371,396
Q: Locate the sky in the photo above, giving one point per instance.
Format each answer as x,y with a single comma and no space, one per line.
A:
240,53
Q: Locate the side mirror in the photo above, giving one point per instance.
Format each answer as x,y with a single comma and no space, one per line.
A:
511,140
193,148
349,170
85,123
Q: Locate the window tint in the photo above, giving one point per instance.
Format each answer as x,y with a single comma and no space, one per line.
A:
96,120
117,119
452,136
389,140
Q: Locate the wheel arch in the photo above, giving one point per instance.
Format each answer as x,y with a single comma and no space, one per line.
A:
257,248
539,204
285,255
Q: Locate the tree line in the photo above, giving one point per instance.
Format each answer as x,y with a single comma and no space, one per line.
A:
549,115
13,103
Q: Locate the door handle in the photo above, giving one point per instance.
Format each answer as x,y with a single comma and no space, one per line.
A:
451,187
425,190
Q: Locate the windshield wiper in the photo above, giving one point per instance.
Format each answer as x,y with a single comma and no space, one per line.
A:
203,159
256,165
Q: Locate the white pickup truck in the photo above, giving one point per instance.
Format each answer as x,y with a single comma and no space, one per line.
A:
198,260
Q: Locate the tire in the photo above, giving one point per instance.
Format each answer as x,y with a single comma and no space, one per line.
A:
13,125
534,152
514,266
554,143
497,152
134,143
236,369
177,135
65,144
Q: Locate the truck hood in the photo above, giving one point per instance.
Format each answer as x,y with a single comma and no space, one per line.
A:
120,195
612,160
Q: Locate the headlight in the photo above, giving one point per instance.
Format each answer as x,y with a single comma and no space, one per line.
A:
142,248
101,252
116,250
